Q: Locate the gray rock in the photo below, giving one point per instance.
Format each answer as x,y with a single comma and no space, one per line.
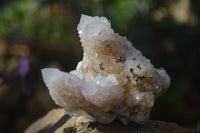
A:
56,121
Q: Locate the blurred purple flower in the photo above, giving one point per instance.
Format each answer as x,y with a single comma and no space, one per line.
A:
24,72
24,66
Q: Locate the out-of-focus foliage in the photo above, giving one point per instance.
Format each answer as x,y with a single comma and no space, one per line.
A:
121,12
29,20
44,32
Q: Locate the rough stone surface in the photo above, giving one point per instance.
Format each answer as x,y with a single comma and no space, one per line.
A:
56,121
114,80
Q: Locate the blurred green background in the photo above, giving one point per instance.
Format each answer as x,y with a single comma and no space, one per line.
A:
35,34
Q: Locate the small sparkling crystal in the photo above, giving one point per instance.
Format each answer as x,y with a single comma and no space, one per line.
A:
114,80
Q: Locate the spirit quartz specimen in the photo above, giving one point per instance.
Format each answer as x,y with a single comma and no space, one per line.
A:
114,80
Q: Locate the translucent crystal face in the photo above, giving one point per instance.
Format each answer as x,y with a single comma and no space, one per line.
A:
114,80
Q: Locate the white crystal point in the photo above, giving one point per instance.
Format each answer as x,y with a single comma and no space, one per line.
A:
49,75
90,26
114,80
103,92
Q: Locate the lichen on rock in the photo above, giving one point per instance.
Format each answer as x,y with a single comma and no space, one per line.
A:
114,80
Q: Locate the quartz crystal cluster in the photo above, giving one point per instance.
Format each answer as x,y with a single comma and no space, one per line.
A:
114,80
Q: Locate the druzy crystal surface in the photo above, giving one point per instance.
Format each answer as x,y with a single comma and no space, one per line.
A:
114,80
